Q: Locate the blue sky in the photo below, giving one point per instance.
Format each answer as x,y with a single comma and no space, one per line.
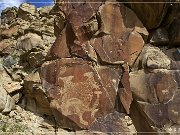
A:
11,3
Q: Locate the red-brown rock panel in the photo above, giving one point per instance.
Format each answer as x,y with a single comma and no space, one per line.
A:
110,77
125,92
61,46
118,19
68,5
84,23
77,93
118,38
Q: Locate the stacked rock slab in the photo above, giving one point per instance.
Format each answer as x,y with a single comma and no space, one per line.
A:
104,71
26,34
89,78
157,92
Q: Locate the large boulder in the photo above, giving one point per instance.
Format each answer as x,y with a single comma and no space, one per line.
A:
157,87
152,58
26,11
78,92
152,13
114,123
8,15
35,97
6,102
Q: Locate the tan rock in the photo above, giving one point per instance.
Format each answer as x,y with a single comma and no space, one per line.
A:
4,44
114,123
8,15
12,87
28,41
34,94
12,31
26,11
152,58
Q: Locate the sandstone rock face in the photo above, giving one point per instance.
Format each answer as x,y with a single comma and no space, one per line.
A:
26,35
144,12
34,93
153,58
8,15
7,33
26,11
77,91
114,122
158,88
6,102
101,37
91,67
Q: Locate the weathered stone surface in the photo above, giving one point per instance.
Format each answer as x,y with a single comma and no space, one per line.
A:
163,114
84,23
152,58
68,5
84,50
174,54
28,41
6,46
156,87
8,15
3,98
126,44
76,91
152,14
114,123
26,11
6,102
159,37
35,96
125,93
44,11
115,20
61,46
110,78
59,24
12,87
12,31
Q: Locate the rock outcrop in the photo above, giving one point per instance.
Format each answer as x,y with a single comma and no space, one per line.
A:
27,33
96,66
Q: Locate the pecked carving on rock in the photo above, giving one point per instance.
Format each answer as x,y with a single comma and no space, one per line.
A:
76,91
92,66
83,90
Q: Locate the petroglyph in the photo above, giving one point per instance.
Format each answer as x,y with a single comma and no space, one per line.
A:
71,105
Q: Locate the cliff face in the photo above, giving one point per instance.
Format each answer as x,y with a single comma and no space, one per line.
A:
94,66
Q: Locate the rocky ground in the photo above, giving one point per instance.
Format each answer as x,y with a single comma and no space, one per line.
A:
112,70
